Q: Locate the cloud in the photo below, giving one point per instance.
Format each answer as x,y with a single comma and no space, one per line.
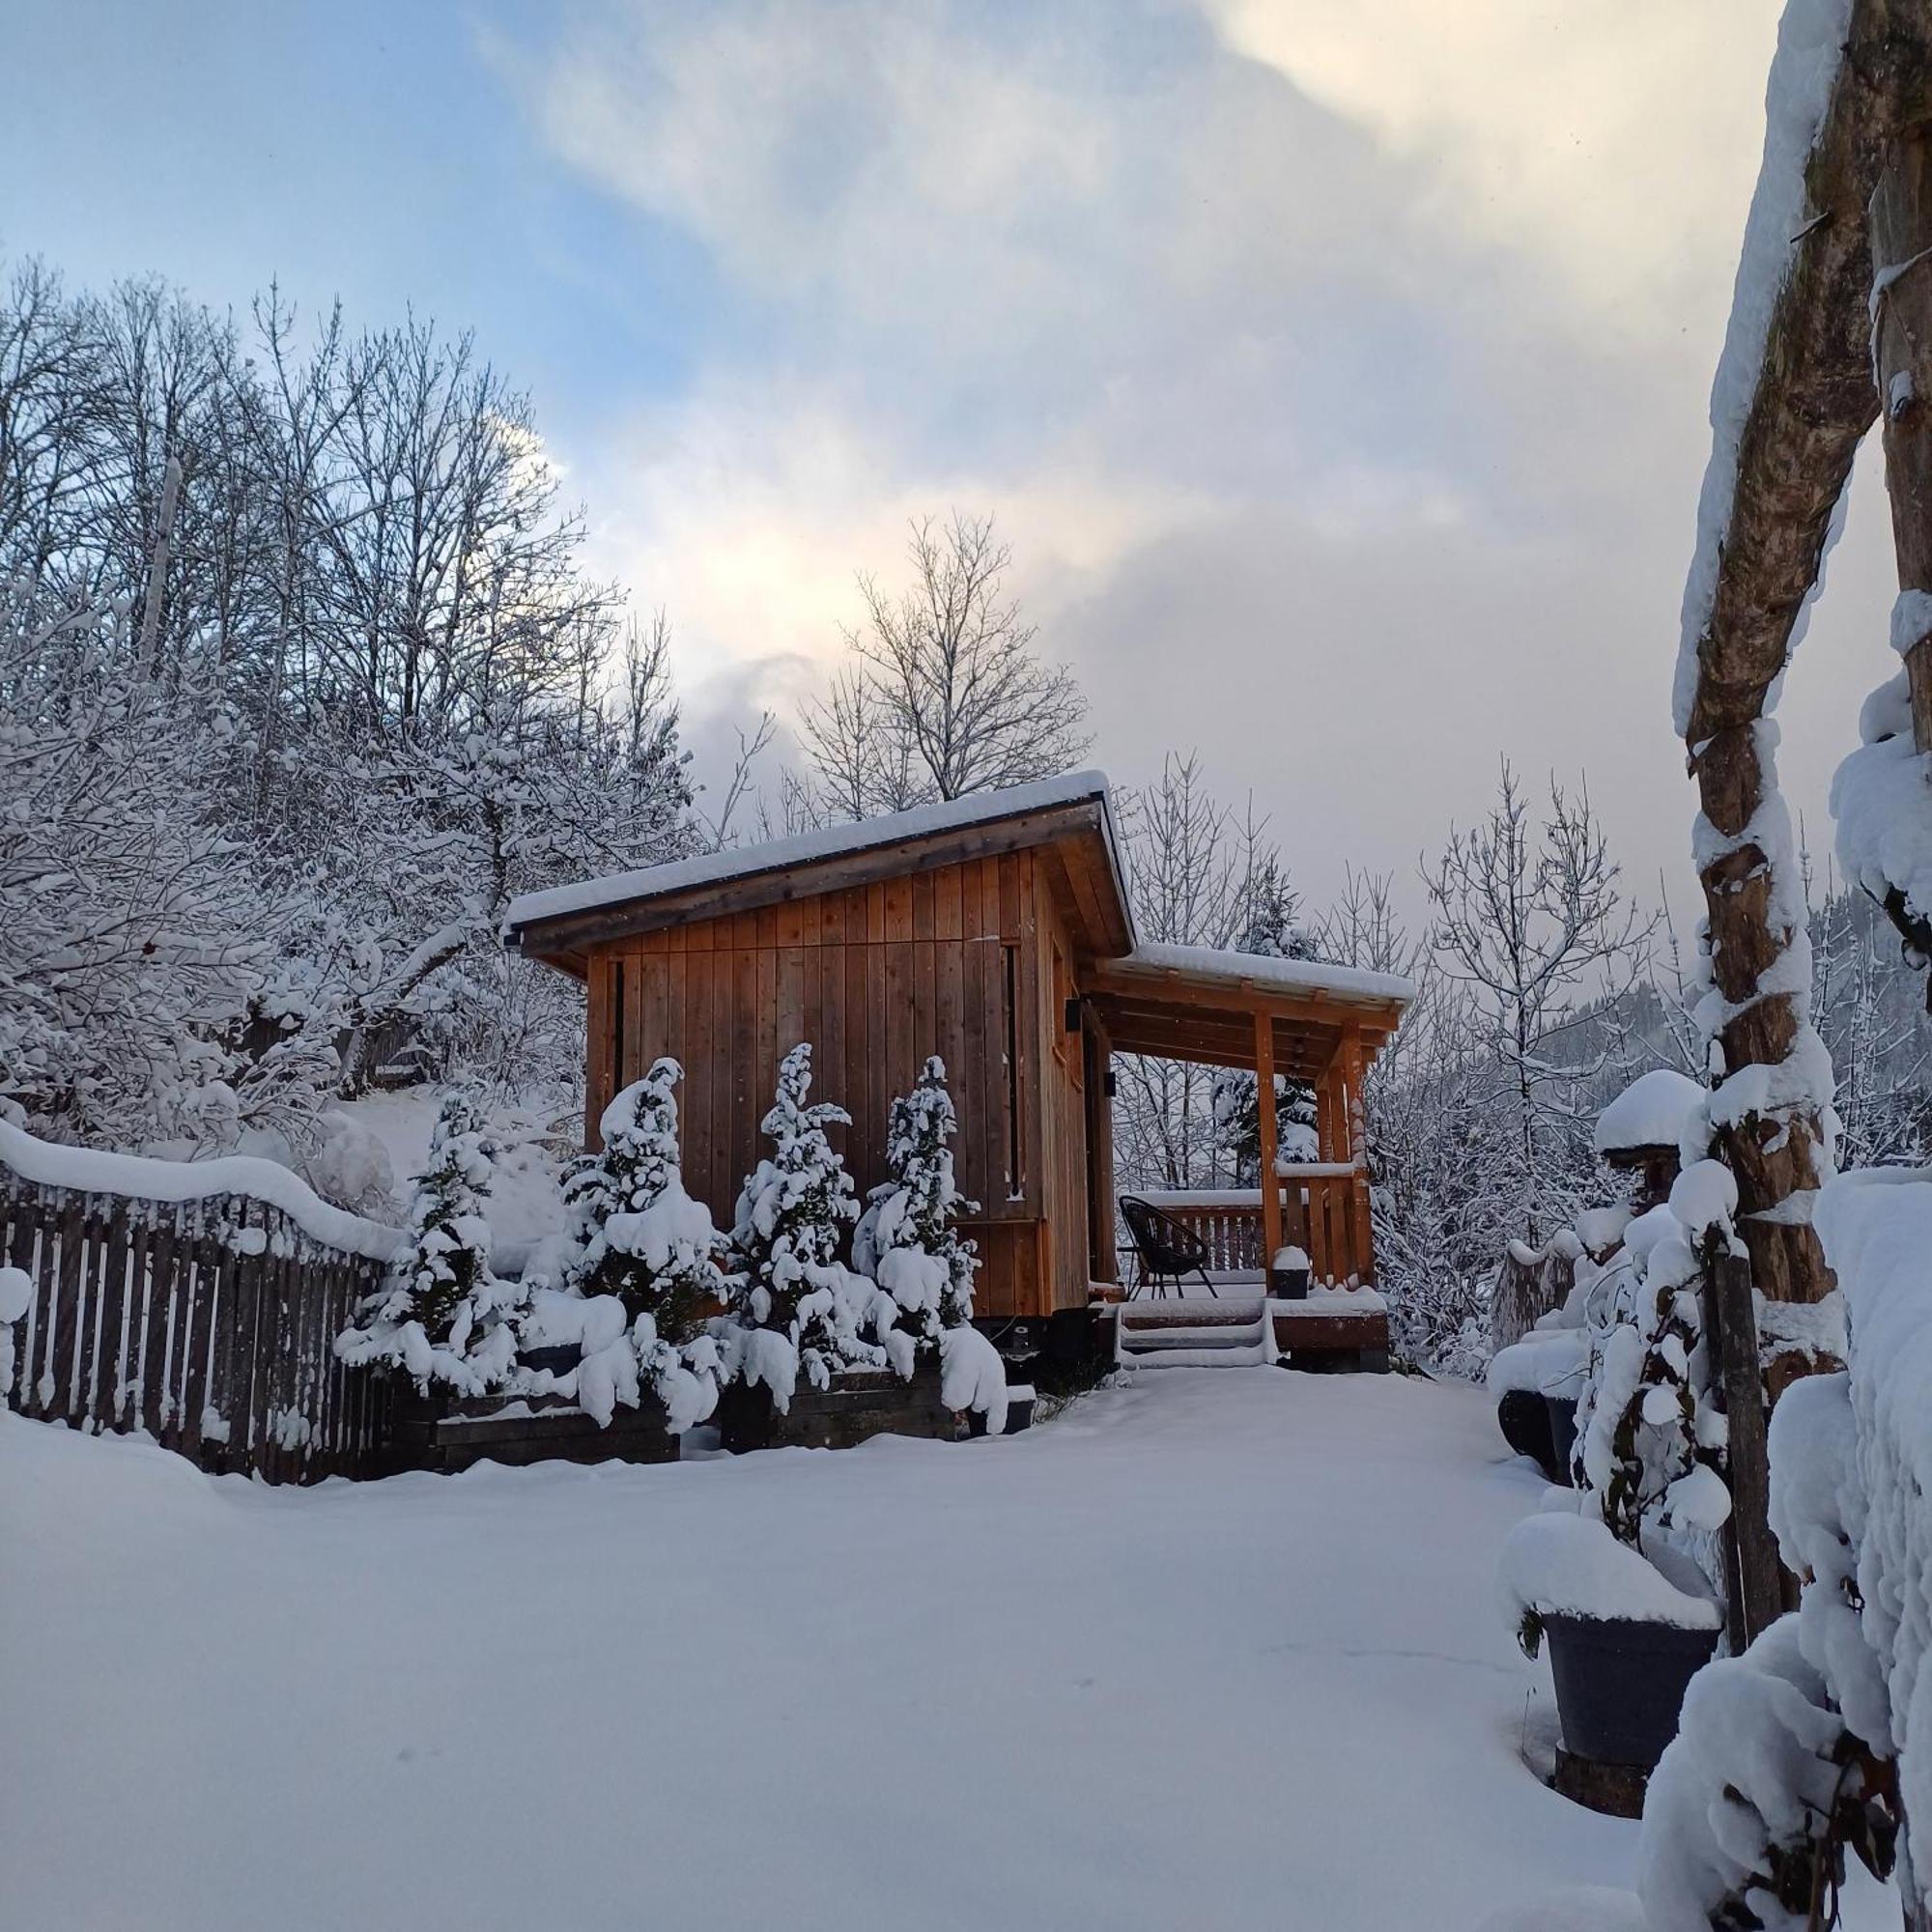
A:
1618,139
1337,373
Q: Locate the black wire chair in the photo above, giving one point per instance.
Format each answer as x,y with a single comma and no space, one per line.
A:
1165,1249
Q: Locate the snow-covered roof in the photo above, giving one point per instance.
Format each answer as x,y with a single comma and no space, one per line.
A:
804,848
1650,1112
1287,976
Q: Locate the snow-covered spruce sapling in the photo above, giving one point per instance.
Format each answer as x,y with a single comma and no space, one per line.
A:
909,1240
442,1315
802,1308
644,1244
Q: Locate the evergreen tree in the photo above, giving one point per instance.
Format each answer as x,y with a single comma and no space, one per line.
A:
640,1236
801,1307
910,1238
1273,931
442,1314
642,1239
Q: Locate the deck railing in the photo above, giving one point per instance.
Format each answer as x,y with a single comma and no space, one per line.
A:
1321,1213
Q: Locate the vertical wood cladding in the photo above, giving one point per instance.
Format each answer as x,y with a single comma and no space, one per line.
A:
955,961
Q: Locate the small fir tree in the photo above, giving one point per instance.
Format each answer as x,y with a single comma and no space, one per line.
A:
640,1236
801,1307
910,1237
646,1265
442,1315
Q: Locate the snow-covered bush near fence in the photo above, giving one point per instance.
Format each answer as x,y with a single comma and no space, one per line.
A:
444,1316
801,1309
646,1268
908,1240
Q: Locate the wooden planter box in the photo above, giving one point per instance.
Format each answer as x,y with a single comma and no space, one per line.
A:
446,1434
860,1404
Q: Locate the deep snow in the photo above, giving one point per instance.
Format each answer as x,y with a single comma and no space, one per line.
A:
1221,1649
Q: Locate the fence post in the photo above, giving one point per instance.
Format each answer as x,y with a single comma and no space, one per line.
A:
1757,1580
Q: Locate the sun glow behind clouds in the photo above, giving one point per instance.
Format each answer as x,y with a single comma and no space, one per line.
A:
1305,351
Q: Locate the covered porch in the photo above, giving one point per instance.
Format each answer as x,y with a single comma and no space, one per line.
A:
1318,1024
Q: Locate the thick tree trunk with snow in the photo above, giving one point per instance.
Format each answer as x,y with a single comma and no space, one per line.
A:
1811,404
1901,301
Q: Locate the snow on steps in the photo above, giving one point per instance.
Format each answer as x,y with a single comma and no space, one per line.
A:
1193,1334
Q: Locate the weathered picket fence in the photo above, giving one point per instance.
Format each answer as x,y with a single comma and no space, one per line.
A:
204,1322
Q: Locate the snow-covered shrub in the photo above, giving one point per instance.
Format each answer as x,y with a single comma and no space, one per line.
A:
444,1316
1634,1538
645,1247
908,1240
1782,1759
350,1167
801,1307
1648,1452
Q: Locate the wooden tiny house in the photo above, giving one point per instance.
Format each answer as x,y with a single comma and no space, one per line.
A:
995,932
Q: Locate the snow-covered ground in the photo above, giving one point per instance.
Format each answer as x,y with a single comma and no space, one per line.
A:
1221,1649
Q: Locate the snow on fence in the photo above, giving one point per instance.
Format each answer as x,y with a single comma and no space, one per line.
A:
199,1313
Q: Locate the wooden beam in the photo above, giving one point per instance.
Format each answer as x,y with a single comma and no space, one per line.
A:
1901,248
1811,404
784,884
1352,1069
1265,1116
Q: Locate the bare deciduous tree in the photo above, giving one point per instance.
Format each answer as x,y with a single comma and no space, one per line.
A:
1530,921
946,694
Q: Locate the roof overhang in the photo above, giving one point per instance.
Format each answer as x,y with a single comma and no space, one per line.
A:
1194,1004
1069,820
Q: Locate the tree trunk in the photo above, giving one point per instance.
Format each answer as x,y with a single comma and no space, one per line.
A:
1813,402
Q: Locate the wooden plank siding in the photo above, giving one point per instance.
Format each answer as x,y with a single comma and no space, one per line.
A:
954,960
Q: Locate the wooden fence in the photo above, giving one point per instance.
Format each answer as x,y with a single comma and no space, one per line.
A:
207,1325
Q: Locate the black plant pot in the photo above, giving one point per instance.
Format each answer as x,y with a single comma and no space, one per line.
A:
1620,1683
1289,1284
1562,1412
1523,1417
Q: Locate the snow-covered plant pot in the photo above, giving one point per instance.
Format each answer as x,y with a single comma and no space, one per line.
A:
1620,1683
1559,1413
1614,1578
1287,1278
1627,1630
1523,1417
1529,1379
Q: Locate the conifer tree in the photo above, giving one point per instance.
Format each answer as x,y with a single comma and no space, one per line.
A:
441,1315
912,1240
640,1236
801,1307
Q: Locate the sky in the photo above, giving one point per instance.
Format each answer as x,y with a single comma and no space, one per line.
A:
1338,374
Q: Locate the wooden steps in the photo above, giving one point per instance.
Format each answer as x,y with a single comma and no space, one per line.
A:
1193,1334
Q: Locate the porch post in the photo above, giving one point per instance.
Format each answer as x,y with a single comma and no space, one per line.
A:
1264,1114
1358,1184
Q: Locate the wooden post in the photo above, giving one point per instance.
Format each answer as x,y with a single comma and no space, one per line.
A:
1358,1187
1103,1259
1757,1580
1811,402
1901,251
1265,1116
